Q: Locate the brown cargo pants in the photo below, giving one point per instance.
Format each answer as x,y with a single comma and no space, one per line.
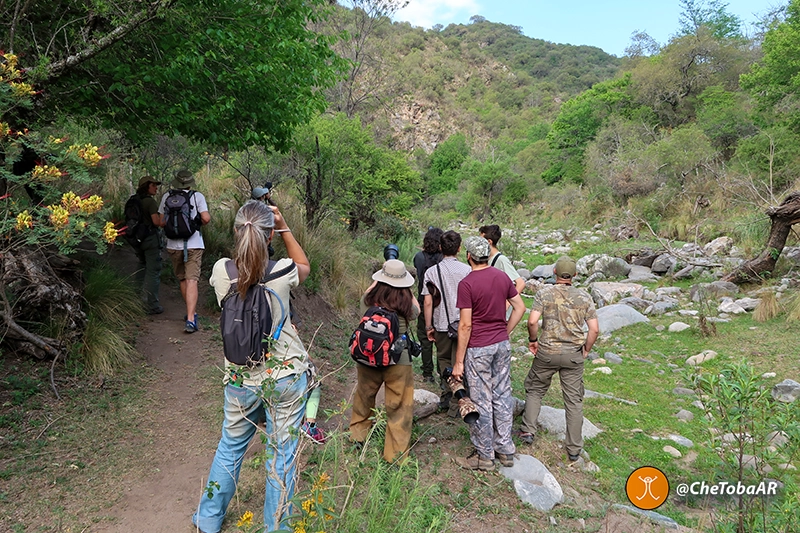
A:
569,366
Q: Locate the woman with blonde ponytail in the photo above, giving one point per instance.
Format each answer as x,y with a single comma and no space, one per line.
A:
273,392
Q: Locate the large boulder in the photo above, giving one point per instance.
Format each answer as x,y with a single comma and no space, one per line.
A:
663,264
713,291
786,391
639,274
612,267
543,271
616,316
606,292
792,254
585,265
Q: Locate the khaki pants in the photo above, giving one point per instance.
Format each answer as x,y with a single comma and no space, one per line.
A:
569,366
399,385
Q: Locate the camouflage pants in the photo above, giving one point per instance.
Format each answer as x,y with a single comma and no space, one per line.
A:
488,372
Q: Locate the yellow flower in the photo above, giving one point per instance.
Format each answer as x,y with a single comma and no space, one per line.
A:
24,221
307,505
88,152
46,172
11,60
5,129
59,217
71,202
110,232
21,88
91,205
246,520
319,484
55,140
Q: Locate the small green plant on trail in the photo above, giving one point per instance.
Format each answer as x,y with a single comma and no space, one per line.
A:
755,438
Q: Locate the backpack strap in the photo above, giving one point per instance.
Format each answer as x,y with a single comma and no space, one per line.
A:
496,257
233,275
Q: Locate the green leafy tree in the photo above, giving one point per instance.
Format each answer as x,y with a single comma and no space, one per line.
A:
232,72
775,80
445,163
342,169
713,14
724,117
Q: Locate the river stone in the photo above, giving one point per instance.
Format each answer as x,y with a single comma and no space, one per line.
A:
792,254
786,391
702,357
719,246
543,271
425,403
554,421
676,327
524,273
640,304
688,272
640,273
585,265
663,263
534,483
608,291
617,316
659,519
612,267
602,370
730,307
682,391
645,258
686,416
613,358
682,441
713,291
671,291
748,304
673,451
659,308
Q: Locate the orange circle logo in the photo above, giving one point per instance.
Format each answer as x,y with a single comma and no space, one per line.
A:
647,488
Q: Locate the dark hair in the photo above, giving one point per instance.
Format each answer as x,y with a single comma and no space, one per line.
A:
451,241
430,243
144,189
399,300
491,233
484,261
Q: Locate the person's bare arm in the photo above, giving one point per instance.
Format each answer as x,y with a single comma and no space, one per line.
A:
519,283
516,314
293,248
533,331
464,333
205,217
594,331
158,220
428,305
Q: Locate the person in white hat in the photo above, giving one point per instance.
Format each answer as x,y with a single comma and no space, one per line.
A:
392,291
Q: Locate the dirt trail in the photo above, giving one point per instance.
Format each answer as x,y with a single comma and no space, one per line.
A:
183,439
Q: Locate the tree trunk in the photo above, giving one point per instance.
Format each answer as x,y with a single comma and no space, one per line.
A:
783,218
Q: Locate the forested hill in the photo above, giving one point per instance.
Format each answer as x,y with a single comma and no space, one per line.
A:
483,79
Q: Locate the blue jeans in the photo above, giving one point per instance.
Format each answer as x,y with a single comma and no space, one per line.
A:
282,410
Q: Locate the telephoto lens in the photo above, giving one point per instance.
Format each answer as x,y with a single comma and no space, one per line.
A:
466,407
391,251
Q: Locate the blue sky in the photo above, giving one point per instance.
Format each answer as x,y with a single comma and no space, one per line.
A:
607,24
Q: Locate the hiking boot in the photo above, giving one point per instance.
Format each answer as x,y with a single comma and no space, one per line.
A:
505,459
475,462
314,432
526,438
428,379
444,401
573,458
156,311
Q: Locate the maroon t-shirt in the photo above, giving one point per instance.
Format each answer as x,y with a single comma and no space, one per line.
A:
485,291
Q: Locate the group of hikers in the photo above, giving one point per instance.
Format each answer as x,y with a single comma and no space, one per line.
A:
466,310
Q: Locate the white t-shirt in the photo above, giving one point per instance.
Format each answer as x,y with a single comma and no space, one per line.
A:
289,349
198,201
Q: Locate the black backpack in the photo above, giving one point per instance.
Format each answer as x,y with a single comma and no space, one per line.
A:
178,208
246,325
373,341
137,230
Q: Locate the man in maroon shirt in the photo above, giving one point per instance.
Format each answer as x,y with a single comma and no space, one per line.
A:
483,356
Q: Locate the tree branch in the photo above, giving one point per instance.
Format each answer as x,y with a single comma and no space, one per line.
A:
117,34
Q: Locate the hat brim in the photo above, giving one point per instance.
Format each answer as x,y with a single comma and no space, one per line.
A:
258,192
181,185
400,283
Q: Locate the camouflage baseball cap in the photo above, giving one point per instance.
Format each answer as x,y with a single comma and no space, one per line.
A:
478,248
565,267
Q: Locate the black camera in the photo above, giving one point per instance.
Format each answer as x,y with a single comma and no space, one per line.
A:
466,407
391,251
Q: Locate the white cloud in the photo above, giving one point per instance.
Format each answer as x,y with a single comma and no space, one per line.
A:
426,13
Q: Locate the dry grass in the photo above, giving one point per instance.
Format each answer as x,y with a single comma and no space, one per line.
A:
793,309
768,308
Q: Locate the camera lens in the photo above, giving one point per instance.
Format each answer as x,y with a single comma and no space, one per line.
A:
391,251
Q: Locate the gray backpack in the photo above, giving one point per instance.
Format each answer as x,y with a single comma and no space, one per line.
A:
246,324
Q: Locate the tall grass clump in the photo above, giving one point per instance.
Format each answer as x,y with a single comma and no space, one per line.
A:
113,305
793,308
371,495
767,309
